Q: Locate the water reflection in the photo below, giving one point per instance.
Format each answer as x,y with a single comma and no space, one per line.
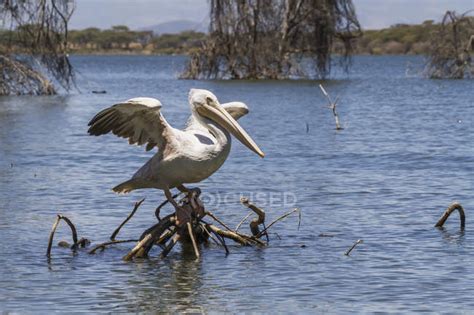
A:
454,236
169,285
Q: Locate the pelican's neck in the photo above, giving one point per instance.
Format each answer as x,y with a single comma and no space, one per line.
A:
220,133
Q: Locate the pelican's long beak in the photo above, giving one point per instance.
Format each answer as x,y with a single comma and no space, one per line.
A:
218,114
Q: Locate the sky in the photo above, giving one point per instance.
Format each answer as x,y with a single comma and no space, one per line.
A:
372,14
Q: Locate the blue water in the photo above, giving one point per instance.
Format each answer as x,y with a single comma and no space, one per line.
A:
406,152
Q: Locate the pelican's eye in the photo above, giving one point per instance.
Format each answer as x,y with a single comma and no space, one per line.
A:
198,102
209,100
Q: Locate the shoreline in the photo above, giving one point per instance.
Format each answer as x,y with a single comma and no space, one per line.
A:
132,53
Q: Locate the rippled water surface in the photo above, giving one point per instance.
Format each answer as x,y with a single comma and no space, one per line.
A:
407,151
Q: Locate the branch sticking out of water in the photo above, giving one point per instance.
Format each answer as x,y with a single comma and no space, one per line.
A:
193,239
454,206
117,230
243,220
353,246
332,105
281,218
236,237
53,230
256,221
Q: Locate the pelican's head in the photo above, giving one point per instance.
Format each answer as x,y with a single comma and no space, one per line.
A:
205,104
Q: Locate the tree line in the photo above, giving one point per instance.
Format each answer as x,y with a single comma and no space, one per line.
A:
121,39
118,39
399,39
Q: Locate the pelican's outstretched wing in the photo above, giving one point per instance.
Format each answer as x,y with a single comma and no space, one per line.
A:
236,109
138,119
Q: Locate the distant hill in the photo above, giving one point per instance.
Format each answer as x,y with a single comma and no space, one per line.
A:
175,27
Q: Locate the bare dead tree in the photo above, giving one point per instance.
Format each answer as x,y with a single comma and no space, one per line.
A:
273,39
451,48
36,32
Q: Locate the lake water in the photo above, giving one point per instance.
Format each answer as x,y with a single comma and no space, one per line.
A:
407,152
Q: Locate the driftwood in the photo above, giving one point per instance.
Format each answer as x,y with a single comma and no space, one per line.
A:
166,233
190,227
454,206
102,246
332,105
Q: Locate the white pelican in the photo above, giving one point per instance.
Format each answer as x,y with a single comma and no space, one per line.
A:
184,156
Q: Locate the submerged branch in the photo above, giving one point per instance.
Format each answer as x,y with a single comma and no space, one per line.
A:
60,217
102,246
454,206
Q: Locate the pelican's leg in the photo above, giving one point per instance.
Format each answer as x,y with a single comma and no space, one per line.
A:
181,215
193,197
188,191
183,189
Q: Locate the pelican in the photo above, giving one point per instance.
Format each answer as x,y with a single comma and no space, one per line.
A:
184,156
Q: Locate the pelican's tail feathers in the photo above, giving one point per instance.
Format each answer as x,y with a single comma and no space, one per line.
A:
125,187
132,184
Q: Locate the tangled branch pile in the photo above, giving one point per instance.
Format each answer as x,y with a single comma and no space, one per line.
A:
267,39
187,227
38,30
451,48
